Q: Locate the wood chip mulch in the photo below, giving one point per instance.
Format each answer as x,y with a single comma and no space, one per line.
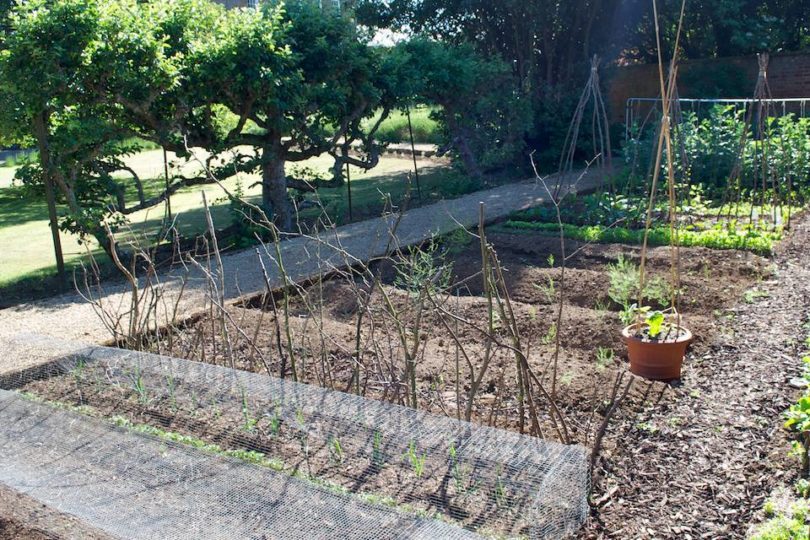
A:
702,463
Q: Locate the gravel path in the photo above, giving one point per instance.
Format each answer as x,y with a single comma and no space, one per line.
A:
702,465
72,318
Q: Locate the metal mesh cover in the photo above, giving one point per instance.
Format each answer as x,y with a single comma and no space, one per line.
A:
135,486
485,479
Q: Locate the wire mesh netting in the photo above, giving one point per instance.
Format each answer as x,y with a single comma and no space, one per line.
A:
135,486
484,479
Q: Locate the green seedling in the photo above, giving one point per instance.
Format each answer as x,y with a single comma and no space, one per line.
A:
655,324
460,472
798,422
802,488
601,306
604,358
500,489
336,450
139,386
275,422
377,456
416,461
171,385
248,420
78,371
551,335
751,296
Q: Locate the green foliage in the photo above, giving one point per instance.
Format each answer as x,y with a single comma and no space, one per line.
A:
416,460
249,422
394,129
719,237
139,386
625,276
604,358
722,28
82,78
336,452
797,420
551,335
454,243
422,269
377,455
655,324
709,146
791,525
479,106
248,456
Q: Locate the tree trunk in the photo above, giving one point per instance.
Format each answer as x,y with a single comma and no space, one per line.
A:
55,179
461,143
275,199
41,133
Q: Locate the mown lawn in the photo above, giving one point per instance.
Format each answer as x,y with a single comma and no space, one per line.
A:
25,238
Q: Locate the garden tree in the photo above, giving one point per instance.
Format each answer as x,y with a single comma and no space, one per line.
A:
719,28
142,64
102,73
480,107
544,40
44,98
296,83
549,43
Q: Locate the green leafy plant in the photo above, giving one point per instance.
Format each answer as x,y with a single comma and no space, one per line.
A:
651,324
655,324
797,420
139,386
377,456
78,371
249,422
461,473
752,295
171,386
416,460
802,488
275,421
422,268
336,450
454,243
501,498
550,336
789,524
624,284
756,240
549,290
604,358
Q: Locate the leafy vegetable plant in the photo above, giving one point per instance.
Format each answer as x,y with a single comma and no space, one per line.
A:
798,421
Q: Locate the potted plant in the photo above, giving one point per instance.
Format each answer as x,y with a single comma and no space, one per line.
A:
656,344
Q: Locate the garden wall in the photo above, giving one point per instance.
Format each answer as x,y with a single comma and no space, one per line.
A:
788,75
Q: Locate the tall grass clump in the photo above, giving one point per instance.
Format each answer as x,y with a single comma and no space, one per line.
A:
395,128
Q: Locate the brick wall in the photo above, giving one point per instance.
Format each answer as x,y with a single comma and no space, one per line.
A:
788,76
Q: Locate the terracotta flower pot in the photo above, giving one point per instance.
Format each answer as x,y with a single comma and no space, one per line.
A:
659,361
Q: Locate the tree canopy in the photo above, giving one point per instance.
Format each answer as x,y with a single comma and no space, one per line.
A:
254,88
547,41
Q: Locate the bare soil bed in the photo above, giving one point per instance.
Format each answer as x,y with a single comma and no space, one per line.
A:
712,281
24,518
323,321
